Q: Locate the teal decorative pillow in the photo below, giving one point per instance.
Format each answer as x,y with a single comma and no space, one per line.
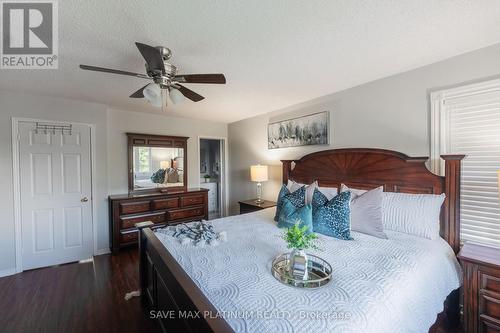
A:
297,198
318,199
332,218
290,214
279,202
158,177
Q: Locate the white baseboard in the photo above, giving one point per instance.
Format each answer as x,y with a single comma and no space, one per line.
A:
7,272
102,251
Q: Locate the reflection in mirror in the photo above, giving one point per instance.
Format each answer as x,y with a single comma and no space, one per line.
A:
156,167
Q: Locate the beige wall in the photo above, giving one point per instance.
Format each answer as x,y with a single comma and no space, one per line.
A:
111,153
391,113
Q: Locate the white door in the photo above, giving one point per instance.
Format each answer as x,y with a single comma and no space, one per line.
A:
55,184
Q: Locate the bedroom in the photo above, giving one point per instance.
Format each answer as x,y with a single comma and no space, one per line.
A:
367,95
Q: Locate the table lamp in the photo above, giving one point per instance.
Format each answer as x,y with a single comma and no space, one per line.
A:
258,173
164,165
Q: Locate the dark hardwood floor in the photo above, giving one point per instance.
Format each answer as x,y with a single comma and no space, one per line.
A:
87,297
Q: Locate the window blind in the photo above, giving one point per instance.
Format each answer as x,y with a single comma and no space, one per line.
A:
474,130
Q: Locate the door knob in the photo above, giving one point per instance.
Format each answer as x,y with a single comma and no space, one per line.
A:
84,199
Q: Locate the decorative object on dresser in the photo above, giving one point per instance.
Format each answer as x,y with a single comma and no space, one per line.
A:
259,174
307,130
249,206
481,266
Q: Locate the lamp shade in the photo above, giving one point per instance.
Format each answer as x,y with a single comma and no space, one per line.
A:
164,164
258,173
176,96
152,93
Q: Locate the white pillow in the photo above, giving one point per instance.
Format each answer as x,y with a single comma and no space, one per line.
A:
414,214
329,192
355,192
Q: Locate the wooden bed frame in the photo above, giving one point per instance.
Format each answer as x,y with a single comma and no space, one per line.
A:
169,293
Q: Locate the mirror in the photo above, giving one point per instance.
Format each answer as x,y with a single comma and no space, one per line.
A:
157,162
158,167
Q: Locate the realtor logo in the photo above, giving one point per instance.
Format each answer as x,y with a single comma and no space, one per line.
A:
29,34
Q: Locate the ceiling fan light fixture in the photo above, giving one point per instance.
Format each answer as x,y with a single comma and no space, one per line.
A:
165,77
152,93
176,96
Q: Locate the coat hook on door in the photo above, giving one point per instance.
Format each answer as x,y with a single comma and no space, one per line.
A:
47,128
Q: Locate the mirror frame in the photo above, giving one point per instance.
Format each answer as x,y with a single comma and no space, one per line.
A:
161,141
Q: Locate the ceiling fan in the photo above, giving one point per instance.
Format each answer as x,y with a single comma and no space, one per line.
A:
164,76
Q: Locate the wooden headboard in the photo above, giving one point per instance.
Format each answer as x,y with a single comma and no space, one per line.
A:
366,168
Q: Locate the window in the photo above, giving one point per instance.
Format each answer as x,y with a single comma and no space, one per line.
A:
142,162
466,120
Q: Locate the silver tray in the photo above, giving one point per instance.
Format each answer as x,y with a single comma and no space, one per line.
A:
319,271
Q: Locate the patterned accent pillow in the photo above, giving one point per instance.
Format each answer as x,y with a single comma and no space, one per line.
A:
297,198
290,214
158,177
319,199
332,218
294,186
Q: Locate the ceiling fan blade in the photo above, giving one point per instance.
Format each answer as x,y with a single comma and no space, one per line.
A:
152,56
188,93
138,93
112,71
201,78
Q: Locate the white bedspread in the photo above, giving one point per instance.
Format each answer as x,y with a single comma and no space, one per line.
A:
379,285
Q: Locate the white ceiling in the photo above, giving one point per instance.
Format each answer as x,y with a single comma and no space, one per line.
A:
274,53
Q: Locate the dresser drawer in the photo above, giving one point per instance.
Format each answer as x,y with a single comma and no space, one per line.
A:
165,203
128,236
489,306
185,213
488,325
490,283
134,207
192,200
130,221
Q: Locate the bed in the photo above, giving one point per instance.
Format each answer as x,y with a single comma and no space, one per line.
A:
399,284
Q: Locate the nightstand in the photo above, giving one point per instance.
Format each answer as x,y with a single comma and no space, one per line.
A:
249,206
481,266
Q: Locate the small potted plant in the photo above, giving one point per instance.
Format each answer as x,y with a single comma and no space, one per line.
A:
207,178
298,239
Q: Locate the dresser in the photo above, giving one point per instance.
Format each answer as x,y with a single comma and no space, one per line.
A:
160,208
481,266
